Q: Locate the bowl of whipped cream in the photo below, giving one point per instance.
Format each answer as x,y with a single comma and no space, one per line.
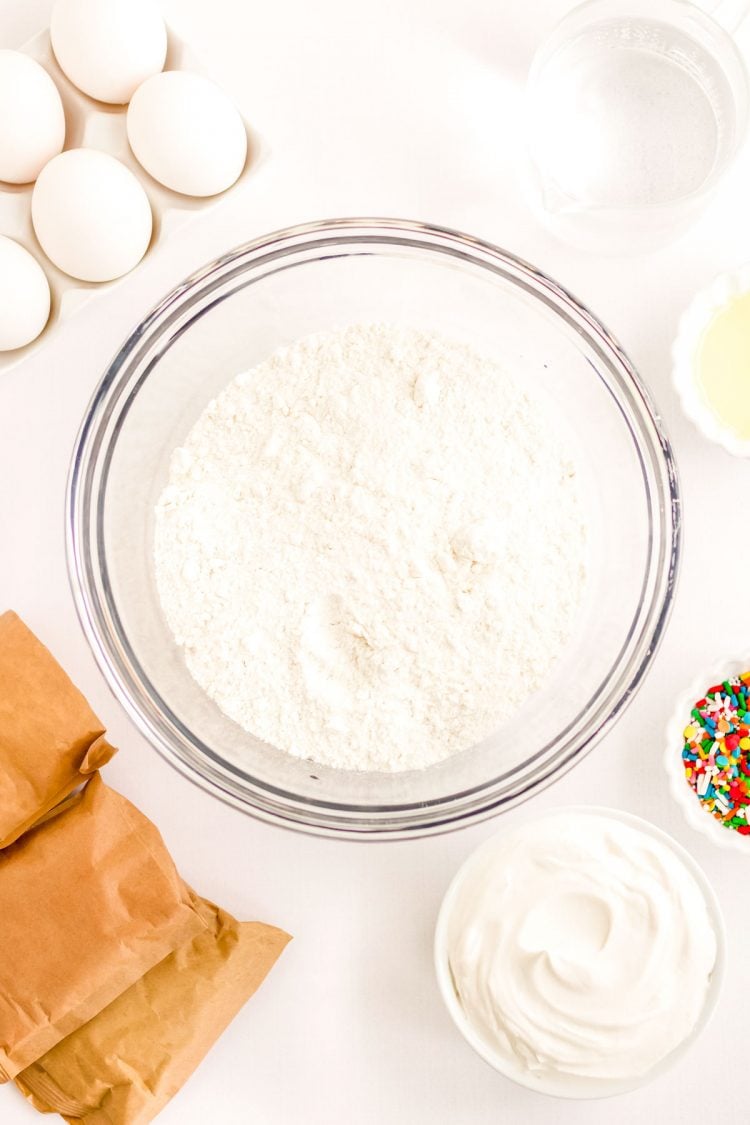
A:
580,953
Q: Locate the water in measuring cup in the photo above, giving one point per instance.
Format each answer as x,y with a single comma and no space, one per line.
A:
630,114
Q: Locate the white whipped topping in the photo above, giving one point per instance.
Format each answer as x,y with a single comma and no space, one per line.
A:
580,948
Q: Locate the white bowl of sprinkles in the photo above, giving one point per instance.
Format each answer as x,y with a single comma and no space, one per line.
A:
703,310
708,751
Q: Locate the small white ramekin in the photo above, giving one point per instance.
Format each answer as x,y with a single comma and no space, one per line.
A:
694,321
695,813
583,1088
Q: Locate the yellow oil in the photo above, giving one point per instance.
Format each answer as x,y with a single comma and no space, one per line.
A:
723,366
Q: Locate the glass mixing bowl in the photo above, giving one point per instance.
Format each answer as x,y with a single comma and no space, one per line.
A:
229,317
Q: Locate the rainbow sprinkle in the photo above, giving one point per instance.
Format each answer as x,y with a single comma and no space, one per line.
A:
716,753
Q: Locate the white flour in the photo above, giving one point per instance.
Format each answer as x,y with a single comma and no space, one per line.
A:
371,548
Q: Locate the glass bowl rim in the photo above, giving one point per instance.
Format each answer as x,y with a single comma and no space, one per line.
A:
327,818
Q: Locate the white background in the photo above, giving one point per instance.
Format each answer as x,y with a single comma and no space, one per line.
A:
406,108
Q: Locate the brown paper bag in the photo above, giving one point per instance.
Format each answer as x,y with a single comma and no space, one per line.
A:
50,739
124,1066
89,901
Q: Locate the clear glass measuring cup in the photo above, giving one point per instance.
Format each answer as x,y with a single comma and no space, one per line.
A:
635,108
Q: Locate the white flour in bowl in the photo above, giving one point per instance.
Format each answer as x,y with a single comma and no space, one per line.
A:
372,548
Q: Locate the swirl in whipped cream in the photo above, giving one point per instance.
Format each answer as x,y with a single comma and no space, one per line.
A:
580,946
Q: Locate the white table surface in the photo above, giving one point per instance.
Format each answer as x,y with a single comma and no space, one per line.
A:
406,108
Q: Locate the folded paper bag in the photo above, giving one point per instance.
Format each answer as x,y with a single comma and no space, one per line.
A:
90,900
124,1066
50,739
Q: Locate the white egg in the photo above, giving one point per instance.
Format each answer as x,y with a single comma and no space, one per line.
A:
24,296
186,133
91,215
32,120
108,47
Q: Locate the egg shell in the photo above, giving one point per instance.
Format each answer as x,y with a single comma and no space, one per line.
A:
91,215
186,132
108,47
32,119
92,124
24,296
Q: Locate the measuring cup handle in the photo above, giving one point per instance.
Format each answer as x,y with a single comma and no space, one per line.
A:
731,13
